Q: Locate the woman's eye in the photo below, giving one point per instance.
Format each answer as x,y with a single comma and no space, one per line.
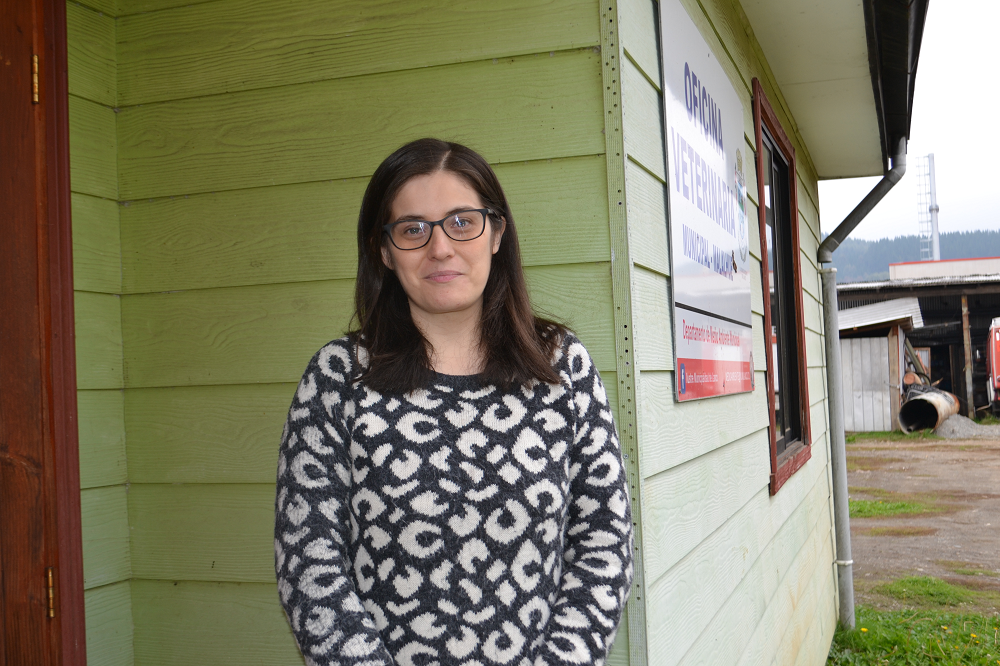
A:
411,229
461,221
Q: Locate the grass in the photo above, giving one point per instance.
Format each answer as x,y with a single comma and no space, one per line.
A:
967,568
926,591
869,463
989,419
888,503
901,531
861,508
917,638
889,436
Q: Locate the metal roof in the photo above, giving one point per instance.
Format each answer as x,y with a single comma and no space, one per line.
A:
906,311
914,283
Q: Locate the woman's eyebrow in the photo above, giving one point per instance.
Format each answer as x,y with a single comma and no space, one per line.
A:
457,209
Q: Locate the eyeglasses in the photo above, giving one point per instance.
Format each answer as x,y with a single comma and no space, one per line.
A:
465,225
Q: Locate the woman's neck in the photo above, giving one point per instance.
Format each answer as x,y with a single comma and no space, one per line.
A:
454,338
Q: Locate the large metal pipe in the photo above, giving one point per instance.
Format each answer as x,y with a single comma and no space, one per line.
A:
926,409
838,450
834,390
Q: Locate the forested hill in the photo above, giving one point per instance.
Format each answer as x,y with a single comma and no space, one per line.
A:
859,260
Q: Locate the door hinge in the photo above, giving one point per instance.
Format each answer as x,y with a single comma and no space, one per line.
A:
51,588
34,79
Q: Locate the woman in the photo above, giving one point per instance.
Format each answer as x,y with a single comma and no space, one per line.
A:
450,489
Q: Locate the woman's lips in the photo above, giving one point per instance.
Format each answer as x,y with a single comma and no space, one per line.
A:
443,276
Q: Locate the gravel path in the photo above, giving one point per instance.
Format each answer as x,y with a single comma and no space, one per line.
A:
958,541
962,427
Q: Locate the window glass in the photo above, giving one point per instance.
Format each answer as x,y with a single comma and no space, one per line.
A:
780,272
781,283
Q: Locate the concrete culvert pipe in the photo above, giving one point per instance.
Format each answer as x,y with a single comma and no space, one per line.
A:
926,409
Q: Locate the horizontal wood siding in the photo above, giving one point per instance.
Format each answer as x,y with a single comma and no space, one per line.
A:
208,48
92,148
343,128
267,333
91,54
97,279
741,580
102,438
647,219
207,532
215,434
184,622
246,134
306,232
732,574
104,516
109,625
98,340
97,265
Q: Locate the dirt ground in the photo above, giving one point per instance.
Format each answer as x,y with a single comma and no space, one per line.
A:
957,540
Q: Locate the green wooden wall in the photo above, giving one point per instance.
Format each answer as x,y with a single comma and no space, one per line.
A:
107,558
731,574
220,153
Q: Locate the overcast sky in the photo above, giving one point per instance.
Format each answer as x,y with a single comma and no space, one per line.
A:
956,106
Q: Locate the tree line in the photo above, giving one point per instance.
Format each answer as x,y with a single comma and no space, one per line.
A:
863,260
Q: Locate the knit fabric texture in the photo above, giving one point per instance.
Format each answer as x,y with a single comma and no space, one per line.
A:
461,525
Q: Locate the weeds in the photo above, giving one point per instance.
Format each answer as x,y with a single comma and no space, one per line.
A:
917,638
901,531
878,509
967,568
869,463
926,591
890,436
890,503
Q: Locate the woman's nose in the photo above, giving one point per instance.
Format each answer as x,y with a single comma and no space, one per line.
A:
439,246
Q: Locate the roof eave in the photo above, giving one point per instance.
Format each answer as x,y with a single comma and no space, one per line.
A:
894,30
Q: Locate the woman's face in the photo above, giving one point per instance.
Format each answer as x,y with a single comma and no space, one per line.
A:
445,276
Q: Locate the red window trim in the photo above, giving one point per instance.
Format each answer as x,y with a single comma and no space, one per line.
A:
796,455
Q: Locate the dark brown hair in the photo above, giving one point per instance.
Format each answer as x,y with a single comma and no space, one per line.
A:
517,346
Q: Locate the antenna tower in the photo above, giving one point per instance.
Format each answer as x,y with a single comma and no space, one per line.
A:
927,210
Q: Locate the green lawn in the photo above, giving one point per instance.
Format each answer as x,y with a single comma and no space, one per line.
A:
877,508
917,638
889,436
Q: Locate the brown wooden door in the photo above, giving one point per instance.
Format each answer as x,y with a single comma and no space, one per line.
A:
39,468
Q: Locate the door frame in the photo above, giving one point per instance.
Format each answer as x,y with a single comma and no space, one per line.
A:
40,513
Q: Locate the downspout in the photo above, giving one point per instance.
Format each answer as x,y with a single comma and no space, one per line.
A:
834,388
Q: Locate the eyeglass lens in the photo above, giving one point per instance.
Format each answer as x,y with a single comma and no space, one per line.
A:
462,226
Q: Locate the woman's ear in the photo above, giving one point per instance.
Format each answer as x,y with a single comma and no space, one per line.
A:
387,257
498,234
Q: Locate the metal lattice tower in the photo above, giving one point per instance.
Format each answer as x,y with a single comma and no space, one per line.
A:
927,210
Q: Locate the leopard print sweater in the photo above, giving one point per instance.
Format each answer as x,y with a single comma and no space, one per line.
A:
461,525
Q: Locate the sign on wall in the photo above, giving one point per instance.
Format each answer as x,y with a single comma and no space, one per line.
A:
709,236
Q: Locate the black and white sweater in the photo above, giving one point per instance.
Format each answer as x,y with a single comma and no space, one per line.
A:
461,525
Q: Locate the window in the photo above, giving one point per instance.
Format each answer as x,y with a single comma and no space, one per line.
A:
781,275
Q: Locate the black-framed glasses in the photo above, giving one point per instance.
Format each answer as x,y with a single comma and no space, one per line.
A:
463,225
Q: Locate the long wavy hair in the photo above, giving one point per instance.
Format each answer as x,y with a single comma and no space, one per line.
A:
516,345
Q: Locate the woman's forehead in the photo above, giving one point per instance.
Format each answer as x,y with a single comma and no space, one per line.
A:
434,195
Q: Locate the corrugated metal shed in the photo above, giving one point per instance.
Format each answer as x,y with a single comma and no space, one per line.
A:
902,311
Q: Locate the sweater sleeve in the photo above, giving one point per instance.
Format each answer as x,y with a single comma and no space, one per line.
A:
597,568
312,526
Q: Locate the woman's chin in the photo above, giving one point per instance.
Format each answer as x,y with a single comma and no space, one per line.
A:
445,307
